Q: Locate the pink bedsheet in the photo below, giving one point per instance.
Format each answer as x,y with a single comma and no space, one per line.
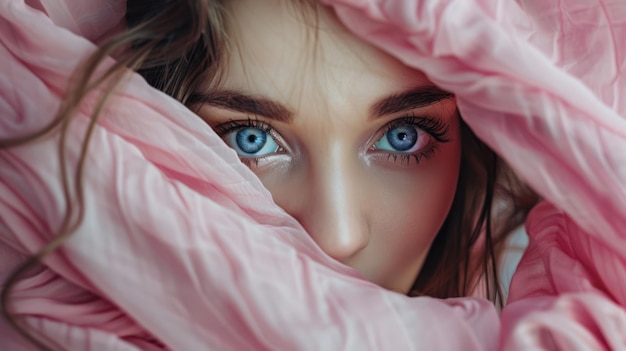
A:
181,248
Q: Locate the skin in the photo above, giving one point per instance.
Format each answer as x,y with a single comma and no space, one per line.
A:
375,210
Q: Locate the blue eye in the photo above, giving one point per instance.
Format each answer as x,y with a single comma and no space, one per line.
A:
252,141
398,139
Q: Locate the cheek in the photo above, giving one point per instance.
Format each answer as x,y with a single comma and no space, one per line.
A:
419,199
403,209
407,210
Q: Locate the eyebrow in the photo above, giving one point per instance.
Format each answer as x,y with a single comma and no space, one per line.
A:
414,98
240,102
236,101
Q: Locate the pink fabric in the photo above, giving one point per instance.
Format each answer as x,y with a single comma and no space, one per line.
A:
181,248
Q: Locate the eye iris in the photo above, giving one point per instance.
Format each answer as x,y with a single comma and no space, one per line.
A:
402,138
251,140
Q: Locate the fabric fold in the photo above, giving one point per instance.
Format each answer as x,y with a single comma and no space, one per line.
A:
181,248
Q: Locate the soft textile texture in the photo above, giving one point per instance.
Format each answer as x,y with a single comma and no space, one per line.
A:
181,248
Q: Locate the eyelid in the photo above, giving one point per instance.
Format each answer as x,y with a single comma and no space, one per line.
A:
435,127
233,125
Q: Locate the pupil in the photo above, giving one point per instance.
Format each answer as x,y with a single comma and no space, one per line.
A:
402,138
251,140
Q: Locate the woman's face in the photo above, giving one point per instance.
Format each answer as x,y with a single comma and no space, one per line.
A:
362,150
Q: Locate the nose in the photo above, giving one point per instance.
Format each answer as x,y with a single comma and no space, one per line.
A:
333,210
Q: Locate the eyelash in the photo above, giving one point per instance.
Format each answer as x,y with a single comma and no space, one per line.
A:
232,126
435,127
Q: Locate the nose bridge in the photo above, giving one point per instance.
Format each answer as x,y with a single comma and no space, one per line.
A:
337,221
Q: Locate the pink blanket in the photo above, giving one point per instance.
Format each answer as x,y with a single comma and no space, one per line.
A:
181,248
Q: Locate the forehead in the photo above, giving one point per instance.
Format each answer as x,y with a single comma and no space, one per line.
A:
299,56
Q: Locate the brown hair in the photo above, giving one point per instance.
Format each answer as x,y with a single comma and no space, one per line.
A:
489,203
178,47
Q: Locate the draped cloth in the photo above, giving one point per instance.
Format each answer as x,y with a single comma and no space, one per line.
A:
181,248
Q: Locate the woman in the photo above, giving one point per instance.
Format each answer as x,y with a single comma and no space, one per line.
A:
203,283
374,170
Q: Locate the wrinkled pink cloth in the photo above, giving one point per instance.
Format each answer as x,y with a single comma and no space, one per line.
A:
181,248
